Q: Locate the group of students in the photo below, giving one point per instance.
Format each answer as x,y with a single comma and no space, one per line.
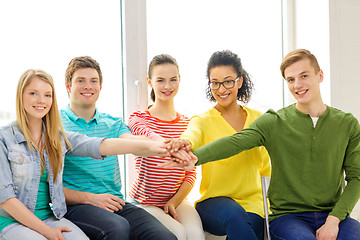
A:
60,183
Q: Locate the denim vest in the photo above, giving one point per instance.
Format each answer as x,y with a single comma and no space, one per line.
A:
20,168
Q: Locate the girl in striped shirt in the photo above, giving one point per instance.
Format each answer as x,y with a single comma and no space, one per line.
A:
162,192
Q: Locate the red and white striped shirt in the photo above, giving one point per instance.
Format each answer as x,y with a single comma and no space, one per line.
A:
153,185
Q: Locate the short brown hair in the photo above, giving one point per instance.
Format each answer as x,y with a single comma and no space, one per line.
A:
81,62
298,55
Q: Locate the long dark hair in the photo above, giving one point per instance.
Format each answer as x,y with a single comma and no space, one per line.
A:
159,60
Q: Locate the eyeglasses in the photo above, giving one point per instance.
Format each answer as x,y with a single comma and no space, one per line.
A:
227,84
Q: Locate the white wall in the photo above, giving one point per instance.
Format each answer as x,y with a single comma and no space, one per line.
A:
135,64
135,55
344,55
306,25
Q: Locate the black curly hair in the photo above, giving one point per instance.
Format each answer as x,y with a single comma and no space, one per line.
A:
228,58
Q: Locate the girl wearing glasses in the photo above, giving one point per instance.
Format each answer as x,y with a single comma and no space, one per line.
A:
231,202
160,191
32,151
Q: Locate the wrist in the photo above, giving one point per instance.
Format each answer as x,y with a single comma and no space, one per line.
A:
333,220
158,138
45,231
196,161
88,198
173,202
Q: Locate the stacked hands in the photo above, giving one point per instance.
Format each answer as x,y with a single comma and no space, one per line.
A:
181,155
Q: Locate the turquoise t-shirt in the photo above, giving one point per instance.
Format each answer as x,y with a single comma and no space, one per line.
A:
84,173
42,208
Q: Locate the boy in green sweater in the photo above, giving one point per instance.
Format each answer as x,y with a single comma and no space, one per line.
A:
311,145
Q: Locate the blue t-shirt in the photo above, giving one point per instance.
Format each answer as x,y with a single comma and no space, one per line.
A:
86,174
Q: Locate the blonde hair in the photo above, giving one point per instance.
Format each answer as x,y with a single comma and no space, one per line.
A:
51,121
298,55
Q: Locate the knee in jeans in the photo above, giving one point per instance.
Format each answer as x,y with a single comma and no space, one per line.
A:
117,228
163,233
237,217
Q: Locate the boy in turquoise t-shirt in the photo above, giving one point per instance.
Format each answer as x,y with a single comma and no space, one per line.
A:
92,188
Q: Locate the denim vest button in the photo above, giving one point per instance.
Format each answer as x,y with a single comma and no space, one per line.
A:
58,214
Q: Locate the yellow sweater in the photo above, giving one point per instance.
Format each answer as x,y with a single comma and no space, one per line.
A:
237,177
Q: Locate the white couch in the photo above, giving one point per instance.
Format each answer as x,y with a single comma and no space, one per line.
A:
356,211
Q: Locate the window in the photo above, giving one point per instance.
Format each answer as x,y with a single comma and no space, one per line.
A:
46,35
191,31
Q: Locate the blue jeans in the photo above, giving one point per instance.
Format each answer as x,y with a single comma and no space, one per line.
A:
129,223
223,216
304,225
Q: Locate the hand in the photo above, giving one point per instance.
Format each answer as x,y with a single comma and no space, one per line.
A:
182,156
107,201
154,148
56,233
175,162
169,208
178,143
159,148
329,230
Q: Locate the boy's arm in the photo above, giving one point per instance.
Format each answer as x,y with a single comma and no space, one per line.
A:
84,146
255,135
106,201
117,146
131,136
226,147
329,230
351,193
221,148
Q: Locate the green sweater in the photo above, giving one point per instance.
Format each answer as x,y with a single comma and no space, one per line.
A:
307,162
